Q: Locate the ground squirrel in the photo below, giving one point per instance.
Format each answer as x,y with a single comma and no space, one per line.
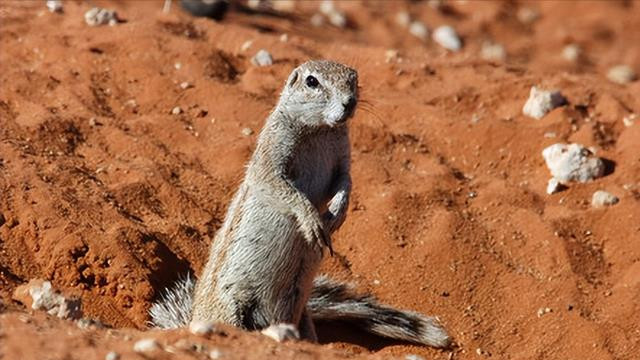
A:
295,193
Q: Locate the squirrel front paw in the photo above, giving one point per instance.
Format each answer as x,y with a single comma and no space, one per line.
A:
316,234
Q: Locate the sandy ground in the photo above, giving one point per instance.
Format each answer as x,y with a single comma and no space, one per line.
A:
110,196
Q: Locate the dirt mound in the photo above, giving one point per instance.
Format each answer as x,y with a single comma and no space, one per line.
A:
111,195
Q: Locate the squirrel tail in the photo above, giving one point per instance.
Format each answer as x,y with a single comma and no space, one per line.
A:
173,310
331,300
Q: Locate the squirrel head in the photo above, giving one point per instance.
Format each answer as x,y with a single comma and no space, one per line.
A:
320,93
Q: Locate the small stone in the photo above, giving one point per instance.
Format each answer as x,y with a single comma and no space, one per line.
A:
447,37
284,5
543,311
602,198
112,355
93,122
540,102
493,52
527,15
337,18
419,30
327,6
177,66
54,6
262,58
553,186
97,16
572,52
246,45
413,357
284,38
282,332
201,328
247,131
621,74
176,110
146,345
403,19
572,162
317,20
629,120
390,55
215,354
550,134
185,85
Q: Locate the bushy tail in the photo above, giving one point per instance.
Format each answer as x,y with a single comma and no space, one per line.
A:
331,300
173,310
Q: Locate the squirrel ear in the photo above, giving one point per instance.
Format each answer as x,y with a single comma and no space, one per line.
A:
292,79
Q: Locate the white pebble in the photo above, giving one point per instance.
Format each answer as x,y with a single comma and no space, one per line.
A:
621,74
284,38
572,162
98,16
112,355
177,66
146,345
553,186
540,102
247,131
493,51
419,30
317,20
571,52
602,198
413,357
543,311
447,37
403,18
184,85
337,19
327,6
201,328
262,58
246,45
527,15
282,332
629,120
54,5
176,110
215,354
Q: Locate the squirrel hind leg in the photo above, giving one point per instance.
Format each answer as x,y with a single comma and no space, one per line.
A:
173,310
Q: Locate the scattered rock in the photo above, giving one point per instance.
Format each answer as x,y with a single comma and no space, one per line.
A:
185,85
201,328
621,74
391,55
282,332
527,15
543,311
572,52
403,19
284,38
317,20
146,345
602,198
629,120
247,131
215,354
176,110
572,162
447,37
284,5
553,186
540,102
337,19
246,45
262,58
40,295
413,357
493,52
54,6
112,355
97,16
419,30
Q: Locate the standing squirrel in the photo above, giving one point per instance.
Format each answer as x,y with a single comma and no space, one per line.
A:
295,194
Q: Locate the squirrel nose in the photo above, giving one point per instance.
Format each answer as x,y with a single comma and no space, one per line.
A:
349,106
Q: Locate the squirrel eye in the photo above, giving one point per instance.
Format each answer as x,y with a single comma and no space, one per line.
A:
311,81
